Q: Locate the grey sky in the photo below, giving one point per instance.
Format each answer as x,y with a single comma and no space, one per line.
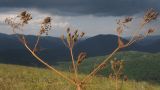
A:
91,16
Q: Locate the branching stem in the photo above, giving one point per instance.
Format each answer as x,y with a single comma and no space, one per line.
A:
73,64
99,66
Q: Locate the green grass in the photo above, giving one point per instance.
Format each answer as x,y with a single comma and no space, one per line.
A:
141,68
138,66
14,77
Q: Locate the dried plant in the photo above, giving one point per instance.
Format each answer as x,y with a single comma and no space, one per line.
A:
71,39
117,67
18,22
69,42
81,58
150,15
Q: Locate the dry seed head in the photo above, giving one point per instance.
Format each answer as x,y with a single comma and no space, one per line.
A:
75,36
76,31
151,30
117,65
75,39
81,57
69,40
47,20
72,38
82,34
13,24
150,15
42,30
127,19
68,30
46,25
25,17
69,35
23,13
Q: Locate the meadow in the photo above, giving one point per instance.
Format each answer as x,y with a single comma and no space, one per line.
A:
141,68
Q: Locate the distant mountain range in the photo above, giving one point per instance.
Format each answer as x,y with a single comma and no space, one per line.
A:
53,50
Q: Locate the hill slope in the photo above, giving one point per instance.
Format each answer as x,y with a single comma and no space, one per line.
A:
139,66
53,50
27,78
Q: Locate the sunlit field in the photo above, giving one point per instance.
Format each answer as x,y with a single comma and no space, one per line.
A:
143,74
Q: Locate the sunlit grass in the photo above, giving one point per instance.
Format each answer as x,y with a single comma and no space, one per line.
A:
15,77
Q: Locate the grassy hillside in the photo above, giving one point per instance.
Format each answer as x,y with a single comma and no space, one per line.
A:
14,77
141,68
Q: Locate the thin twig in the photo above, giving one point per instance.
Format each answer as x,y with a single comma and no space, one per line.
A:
99,66
50,67
134,35
37,41
40,60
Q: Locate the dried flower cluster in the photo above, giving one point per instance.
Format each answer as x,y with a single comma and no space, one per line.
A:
121,24
127,20
13,24
124,21
150,30
46,25
150,15
19,21
71,39
117,67
142,36
22,19
25,17
81,57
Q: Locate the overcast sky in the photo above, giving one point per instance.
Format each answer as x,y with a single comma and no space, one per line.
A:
91,16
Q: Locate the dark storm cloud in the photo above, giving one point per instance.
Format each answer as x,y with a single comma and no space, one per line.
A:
85,7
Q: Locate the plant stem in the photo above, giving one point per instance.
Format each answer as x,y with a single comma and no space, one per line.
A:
116,82
53,69
78,87
99,66
73,63
40,60
37,41
134,34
